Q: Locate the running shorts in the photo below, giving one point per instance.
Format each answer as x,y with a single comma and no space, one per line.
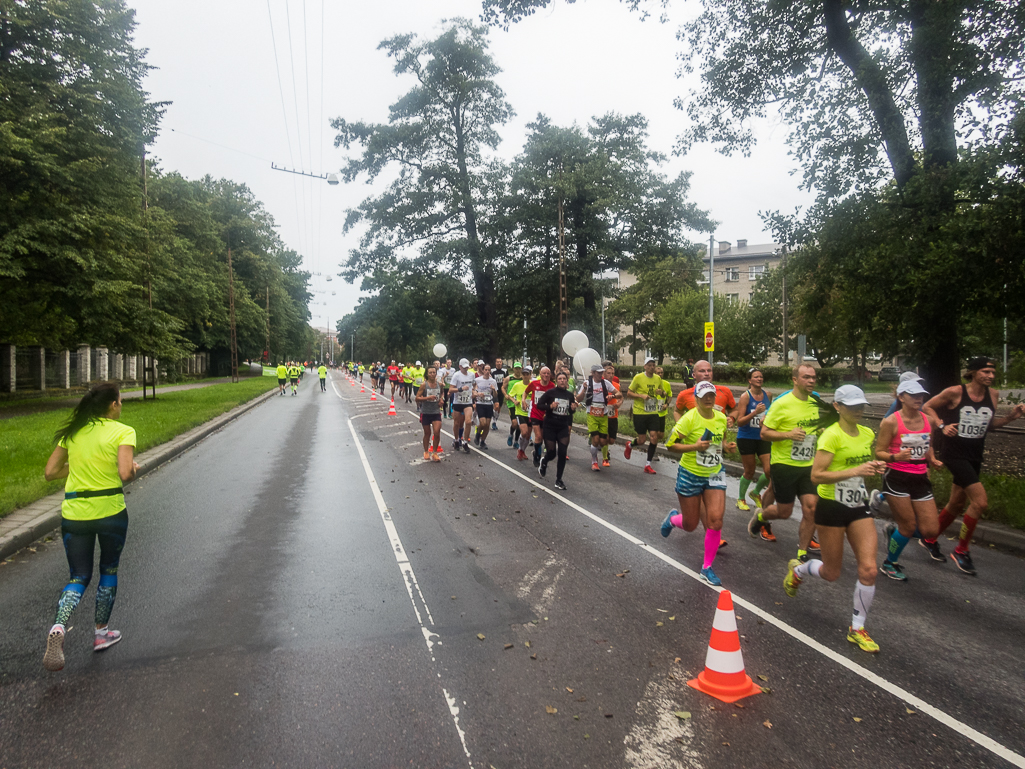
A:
534,421
485,411
648,423
829,512
690,485
597,426
790,482
426,419
295,380
965,471
555,433
282,382
613,428
916,486
749,446
523,420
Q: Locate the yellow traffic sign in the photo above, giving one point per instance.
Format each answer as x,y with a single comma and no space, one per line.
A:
710,337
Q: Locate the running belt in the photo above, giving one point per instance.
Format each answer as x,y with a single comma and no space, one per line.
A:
92,493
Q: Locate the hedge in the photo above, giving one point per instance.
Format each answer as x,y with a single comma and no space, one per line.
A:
736,373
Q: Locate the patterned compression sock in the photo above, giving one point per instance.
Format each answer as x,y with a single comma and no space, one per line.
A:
106,593
594,454
523,443
68,602
712,538
809,568
863,595
896,546
967,530
744,483
605,452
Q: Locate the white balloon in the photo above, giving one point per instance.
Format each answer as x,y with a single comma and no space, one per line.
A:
573,342
440,350
584,359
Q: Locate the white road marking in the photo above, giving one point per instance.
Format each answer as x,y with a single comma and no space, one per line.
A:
409,578
658,736
921,705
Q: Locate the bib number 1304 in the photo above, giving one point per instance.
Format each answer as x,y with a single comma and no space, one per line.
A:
851,493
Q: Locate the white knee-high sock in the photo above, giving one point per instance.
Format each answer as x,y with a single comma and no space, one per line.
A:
863,595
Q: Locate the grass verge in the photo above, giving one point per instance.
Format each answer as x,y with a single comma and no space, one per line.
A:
26,442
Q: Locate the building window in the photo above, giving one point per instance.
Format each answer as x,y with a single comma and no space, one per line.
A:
733,298
755,271
732,274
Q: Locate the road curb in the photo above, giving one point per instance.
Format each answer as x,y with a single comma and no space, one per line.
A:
27,524
986,532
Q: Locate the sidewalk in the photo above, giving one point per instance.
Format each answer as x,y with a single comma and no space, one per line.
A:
27,524
986,532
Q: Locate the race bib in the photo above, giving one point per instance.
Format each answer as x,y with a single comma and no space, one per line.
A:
650,404
538,395
462,398
803,451
973,423
610,410
918,443
560,406
596,411
484,398
710,458
660,404
418,381
756,421
851,492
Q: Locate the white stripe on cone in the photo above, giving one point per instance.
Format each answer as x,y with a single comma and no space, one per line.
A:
724,662
726,621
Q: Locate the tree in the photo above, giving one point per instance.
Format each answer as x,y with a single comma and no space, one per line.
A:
436,135
906,102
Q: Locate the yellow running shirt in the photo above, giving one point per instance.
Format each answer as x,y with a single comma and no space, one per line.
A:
689,430
515,391
651,388
322,372
282,372
92,466
786,413
848,451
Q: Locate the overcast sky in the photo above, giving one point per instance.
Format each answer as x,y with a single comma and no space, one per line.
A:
236,110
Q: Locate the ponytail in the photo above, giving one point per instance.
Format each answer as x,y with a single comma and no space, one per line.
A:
94,405
828,415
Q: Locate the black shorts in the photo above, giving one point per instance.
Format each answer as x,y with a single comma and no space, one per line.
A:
282,382
523,420
295,380
536,421
554,432
790,482
485,411
916,486
426,419
648,423
749,446
613,428
829,512
965,471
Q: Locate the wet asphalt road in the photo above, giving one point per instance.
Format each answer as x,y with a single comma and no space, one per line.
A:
273,616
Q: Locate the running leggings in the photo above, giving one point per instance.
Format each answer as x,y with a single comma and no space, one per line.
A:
79,543
563,448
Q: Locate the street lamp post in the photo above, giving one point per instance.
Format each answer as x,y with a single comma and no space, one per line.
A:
711,294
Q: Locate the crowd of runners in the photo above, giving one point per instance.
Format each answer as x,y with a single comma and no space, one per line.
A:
794,447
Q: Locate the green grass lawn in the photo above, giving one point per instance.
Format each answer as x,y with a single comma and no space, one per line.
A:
27,442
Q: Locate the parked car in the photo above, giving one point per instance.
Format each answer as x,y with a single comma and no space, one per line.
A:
889,374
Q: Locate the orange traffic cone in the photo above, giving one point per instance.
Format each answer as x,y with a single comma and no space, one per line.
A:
373,395
724,677
391,409
362,389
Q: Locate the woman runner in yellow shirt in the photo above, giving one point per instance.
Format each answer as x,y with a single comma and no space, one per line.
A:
95,453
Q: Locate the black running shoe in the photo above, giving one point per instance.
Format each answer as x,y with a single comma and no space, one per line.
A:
466,447
560,485
543,467
483,446
933,548
964,562
537,460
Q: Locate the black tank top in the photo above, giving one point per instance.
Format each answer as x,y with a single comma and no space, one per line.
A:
972,418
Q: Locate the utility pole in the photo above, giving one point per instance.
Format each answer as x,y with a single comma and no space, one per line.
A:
525,340
231,320
786,356
711,293
563,300
267,346
149,370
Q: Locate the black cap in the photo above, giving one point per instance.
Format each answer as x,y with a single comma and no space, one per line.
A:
980,362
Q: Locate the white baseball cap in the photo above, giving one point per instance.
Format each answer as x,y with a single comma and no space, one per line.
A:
850,395
650,359
418,363
910,376
702,389
463,363
911,387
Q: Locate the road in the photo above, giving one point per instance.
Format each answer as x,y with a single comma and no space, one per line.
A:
279,607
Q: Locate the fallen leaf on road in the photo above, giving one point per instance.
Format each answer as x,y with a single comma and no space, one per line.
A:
672,619
527,644
766,724
662,610
762,678
778,603
550,710
738,705
576,718
533,656
726,744
508,646
683,715
857,720
621,575
909,711
480,636
677,660
659,624
569,690
581,699
587,736
453,598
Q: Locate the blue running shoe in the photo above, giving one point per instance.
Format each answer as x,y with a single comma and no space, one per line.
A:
508,441
710,577
667,525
